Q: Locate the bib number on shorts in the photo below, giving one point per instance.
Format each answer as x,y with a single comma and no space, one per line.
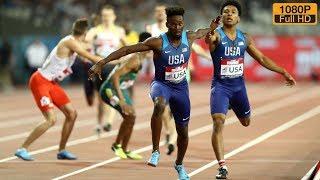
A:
231,68
176,74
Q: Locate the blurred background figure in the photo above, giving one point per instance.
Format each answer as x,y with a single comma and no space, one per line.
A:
105,38
131,36
5,66
36,54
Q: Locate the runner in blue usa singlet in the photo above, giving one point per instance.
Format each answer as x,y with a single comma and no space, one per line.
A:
227,47
170,78
228,85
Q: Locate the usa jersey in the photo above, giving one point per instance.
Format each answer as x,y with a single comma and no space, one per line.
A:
228,59
171,66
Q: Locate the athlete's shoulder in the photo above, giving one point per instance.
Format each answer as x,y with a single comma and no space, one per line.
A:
247,37
67,40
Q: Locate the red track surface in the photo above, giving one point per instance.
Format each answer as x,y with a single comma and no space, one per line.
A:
286,155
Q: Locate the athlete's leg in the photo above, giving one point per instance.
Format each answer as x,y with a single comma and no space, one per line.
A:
165,118
110,117
182,142
156,121
126,128
70,117
241,106
180,108
101,111
50,120
217,138
127,124
172,130
170,127
160,94
40,88
219,102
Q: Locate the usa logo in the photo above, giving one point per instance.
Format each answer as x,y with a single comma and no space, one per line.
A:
184,49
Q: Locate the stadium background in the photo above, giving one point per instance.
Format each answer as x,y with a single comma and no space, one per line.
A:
297,48
281,143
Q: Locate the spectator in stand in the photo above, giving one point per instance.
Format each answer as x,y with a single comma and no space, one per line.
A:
36,54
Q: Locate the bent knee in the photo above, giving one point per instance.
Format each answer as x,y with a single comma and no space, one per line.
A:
72,115
51,121
245,121
130,119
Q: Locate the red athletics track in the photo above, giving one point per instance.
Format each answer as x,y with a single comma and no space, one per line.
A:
288,154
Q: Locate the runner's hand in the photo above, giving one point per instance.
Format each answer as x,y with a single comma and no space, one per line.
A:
95,70
215,23
126,109
290,80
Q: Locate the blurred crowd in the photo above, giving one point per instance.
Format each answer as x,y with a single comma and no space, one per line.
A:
24,18
257,17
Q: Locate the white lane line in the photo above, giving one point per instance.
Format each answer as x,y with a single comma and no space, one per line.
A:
80,141
264,109
79,124
283,127
261,110
307,176
143,125
38,117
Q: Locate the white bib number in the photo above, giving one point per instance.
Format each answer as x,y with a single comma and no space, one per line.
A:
176,74
231,68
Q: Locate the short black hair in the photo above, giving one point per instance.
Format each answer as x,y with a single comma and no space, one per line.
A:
233,3
174,11
80,26
143,36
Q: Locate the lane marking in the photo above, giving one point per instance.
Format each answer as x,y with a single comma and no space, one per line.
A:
261,110
283,127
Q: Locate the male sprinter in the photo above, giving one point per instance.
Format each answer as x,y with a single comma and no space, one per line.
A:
105,38
156,30
171,52
47,92
115,92
227,46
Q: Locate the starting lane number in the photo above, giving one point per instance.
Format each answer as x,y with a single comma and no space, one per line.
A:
294,13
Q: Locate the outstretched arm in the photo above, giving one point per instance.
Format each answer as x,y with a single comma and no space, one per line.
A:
131,64
149,44
267,62
81,50
201,33
200,51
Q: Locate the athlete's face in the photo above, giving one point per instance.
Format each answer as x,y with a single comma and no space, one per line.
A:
175,25
160,13
230,15
107,16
